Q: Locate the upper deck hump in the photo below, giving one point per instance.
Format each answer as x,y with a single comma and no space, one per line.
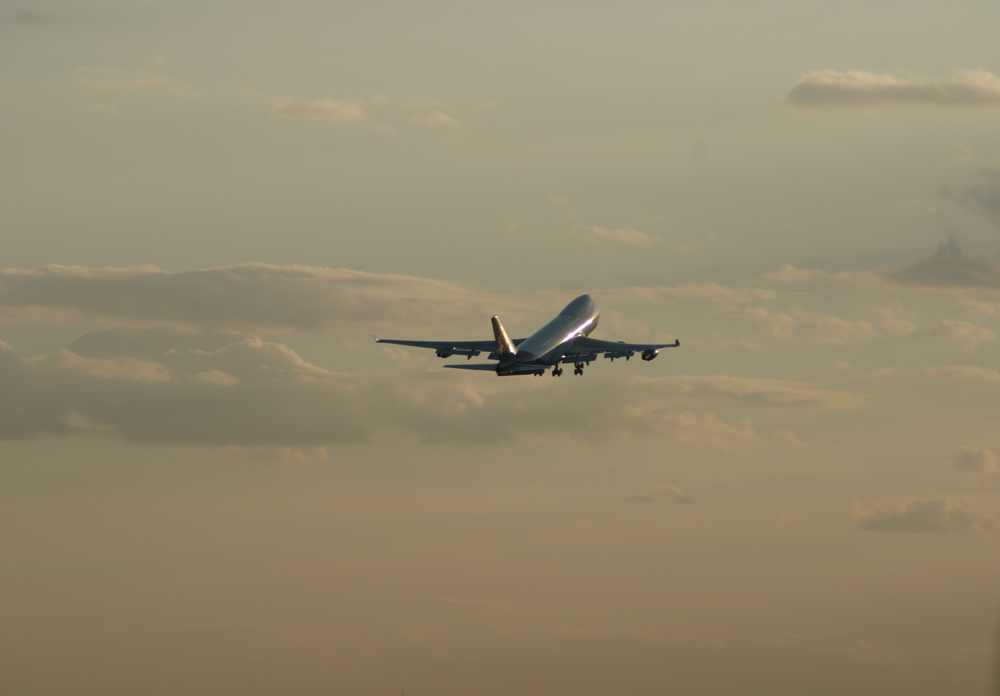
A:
584,304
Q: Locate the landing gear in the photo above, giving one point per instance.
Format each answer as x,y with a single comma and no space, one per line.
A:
578,368
557,371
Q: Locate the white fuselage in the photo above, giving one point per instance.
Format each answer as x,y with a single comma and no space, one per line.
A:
547,345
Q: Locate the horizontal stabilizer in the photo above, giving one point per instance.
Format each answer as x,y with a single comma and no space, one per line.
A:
475,366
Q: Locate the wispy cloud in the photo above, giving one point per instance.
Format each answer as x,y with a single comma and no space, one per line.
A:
751,390
965,373
944,514
434,119
821,328
339,113
676,494
892,324
691,292
336,112
971,337
790,275
858,89
111,79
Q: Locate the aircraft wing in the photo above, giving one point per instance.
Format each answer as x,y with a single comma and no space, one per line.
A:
585,349
448,348
585,344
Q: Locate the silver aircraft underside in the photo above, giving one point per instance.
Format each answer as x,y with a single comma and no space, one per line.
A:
565,339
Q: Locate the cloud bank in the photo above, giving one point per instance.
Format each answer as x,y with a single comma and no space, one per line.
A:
160,387
250,297
857,89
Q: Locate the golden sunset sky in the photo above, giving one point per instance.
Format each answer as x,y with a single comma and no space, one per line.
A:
213,482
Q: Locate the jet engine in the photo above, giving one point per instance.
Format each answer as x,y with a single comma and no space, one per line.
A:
648,355
448,352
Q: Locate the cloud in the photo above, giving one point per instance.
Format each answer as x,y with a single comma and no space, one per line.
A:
965,373
788,438
339,113
621,235
675,493
750,390
825,329
424,104
336,112
982,462
948,267
128,368
159,387
434,119
791,275
943,514
970,336
246,297
891,324
268,298
835,331
689,292
857,89
111,79
761,322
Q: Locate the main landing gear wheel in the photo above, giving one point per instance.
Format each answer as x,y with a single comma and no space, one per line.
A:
578,369
557,372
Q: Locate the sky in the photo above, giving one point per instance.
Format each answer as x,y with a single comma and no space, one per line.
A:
213,482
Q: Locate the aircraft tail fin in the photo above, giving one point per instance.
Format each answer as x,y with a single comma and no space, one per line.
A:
505,346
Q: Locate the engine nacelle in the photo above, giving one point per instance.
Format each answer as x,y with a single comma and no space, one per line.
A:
648,355
442,353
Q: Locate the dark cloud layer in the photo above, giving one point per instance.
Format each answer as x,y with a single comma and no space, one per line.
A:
949,266
268,298
858,89
245,297
159,387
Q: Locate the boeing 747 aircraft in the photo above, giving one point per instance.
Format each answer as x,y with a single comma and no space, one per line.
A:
565,339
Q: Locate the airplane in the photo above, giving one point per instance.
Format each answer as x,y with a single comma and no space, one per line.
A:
565,339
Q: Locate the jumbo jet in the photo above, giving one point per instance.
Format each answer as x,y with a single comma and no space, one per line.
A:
565,339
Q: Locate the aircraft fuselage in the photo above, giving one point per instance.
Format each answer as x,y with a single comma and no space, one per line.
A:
548,345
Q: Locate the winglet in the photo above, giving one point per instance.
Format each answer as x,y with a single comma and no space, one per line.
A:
377,339
677,342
